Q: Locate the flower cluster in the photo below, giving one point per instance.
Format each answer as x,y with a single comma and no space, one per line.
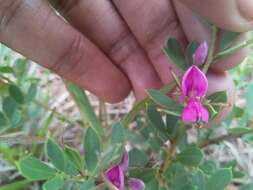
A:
194,87
115,176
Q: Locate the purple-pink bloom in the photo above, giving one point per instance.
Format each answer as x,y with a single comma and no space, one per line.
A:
194,112
124,162
136,184
115,176
200,54
194,83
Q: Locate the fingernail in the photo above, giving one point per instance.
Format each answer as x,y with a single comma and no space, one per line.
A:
245,7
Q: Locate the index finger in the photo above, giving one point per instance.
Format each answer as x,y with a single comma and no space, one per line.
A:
34,29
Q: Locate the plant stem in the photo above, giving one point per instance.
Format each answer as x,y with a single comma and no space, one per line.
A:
233,50
85,108
59,115
223,138
211,49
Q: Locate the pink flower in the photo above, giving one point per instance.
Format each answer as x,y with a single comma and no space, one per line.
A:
115,177
194,83
194,112
194,87
136,184
200,54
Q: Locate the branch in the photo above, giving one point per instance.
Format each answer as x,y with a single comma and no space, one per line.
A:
223,138
210,57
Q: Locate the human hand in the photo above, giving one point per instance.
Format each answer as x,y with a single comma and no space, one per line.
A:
114,46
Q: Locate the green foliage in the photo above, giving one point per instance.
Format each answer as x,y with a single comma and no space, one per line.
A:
219,180
161,99
87,185
74,157
55,154
118,134
16,94
91,149
163,151
137,158
191,156
34,169
174,51
191,48
55,183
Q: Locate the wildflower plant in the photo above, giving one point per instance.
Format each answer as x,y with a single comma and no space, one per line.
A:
150,148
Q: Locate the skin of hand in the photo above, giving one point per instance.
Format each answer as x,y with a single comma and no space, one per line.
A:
111,47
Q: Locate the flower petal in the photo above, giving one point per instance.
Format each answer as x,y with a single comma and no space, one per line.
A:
189,114
200,54
204,114
136,184
124,162
194,112
115,177
194,82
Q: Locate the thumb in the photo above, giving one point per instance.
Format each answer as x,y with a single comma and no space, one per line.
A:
233,15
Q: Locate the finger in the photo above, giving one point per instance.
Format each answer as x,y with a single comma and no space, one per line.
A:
234,15
221,81
100,22
152,22
198,30
33,29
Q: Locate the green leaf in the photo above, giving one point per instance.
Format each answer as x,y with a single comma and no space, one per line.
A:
70,168
172,125
145,174
238,112
238,174
86,110
220,180
15,118
3,120
32,91
209,167
74,157
6,69
191,50
188,187
54,184
239,130
227,39
111,156
175,53
218,97
9,105
191,156
152,184
55,154
118,135
91,149
198,180
170,105
247,187
16,185
155,118
16,94
34,169
137,158
249,97
87,185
